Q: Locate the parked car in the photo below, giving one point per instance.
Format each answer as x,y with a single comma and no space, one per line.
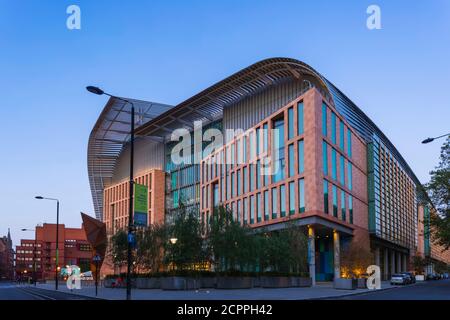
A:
399,278
446,275
411,276
433,276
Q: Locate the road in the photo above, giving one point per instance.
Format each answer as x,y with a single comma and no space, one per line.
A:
11,291
429,290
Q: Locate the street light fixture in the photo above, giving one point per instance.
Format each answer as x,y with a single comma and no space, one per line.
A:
57,236
98,91
173,241
34,255
428,140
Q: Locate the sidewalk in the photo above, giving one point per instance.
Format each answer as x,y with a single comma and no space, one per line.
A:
320,291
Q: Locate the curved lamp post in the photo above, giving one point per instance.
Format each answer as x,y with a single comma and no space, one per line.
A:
428,140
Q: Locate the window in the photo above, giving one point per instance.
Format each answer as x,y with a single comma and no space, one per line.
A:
258,174
251,143
274,203
233,158
282,200
301,156
290,123
333,127
238,178
291,160
335,206
325,196
265,135
228,187
343,205
350,208
341,134
216,199
245,211
252,209
291,198
349,176
301,195
252,177
266,205
342,169
258,133
244,151
233,189
324,120
245,179
258,207
333,164
325,157
238,211
349,142
300,126
278,150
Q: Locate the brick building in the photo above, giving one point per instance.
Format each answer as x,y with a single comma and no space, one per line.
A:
6,258
74,249
333,171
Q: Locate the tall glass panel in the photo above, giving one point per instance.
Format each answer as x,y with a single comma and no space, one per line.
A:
291,197
258,207
238,178
238,211
301,156
350,208
341,134
245,179
252,209
265,137
325,157
232,186
333,127
301,195
291,163
274,203
282,200
325,196
258,174
324,120
343,205
333,164
216,199
278,150
349,142
290,123
252,177
300,123
245,211
342,169
349,176
266,205
335,201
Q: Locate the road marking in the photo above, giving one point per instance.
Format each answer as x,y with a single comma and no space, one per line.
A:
35,294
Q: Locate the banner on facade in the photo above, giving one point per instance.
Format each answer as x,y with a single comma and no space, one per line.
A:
140,204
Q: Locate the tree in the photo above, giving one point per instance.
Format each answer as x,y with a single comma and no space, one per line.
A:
232,247
355,258
149,247
119,247
419,264
298,248
439,192
188,249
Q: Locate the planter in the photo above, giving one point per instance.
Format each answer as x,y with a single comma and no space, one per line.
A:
420,277
148,283
275,282
345,284
179,283
234,282
362,283
208,282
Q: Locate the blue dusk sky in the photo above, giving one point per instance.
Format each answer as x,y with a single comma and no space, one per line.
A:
167,51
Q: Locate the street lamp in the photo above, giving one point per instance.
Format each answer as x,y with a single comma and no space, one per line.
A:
173,241
428,140
34,255
98,91
57,236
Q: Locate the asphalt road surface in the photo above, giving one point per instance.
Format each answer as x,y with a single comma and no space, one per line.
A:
428,290
10,291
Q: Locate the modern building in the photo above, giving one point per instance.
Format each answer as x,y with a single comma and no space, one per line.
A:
334,172
6,258
74,249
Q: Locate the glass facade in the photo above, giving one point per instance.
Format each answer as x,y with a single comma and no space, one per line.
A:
343,213
301,195
301,156
291,197
342,169
291,160
252,209
258,207
266,205
278,148
324,120
349,176
341,134
335,201
282,200
350,209
325,157
274,203
290,123
333,164
325,196
349,143
333,127
300,123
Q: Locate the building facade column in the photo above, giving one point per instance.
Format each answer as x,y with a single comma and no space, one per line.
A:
392,262
399,267
337,255
312,254
405,263
386,264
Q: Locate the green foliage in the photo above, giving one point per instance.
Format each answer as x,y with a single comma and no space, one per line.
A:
419,264
188,249
119,247
439,191
150,242
355,258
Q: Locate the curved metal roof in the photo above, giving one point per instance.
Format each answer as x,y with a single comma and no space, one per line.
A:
108,137
208,105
